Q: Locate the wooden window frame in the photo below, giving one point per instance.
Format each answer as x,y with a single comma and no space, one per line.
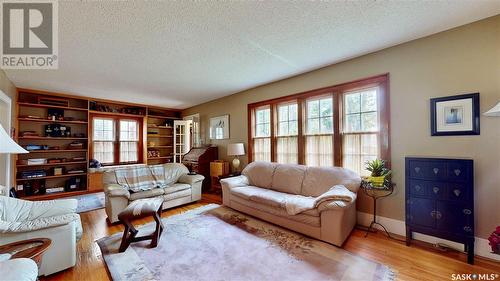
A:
116,119
338,91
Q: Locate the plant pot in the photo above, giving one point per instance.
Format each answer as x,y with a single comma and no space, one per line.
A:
377,181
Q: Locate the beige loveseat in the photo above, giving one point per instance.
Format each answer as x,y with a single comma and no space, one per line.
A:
169,181
316,201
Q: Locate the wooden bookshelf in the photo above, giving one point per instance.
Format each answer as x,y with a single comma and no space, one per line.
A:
32,110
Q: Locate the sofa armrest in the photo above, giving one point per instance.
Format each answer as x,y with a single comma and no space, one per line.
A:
234,182
37,224
116,190
190,179
334,205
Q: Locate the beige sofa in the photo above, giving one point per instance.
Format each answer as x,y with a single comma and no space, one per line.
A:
169,181
318,202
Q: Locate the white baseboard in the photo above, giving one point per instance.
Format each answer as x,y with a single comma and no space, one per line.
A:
481,247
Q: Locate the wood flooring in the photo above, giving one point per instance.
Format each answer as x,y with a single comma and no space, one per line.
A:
418,262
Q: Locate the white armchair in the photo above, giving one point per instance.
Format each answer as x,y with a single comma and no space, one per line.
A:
54,219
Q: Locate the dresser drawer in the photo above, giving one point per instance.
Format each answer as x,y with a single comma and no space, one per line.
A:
427,170
458,171
429,189
457,191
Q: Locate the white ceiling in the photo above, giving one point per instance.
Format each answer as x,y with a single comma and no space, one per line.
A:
179,54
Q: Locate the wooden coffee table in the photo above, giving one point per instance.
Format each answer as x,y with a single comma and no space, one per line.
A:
31,249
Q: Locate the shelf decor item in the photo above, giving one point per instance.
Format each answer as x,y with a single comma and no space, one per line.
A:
455,115
379,173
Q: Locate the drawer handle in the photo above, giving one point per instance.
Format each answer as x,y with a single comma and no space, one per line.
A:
457,172
433,214
435,190
418,187
467,229
438,215
417,169
436,171
457,192
467,211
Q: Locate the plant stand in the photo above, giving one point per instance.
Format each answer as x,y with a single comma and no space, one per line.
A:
376,193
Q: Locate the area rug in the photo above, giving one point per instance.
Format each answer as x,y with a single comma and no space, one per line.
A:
216,243
89,202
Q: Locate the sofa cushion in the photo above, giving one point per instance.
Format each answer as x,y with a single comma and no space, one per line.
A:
260,173
136,179
319,180
267,197
147,194
305,217
167,174
176,187
178,194
288,178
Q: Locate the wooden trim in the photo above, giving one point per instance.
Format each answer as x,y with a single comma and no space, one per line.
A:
337,92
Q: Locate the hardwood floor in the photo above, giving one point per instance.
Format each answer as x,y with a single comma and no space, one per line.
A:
418,262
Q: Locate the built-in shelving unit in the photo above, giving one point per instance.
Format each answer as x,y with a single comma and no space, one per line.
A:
53,156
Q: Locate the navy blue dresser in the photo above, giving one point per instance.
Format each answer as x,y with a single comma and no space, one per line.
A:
440,200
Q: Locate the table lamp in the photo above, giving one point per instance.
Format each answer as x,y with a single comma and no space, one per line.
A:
495,111
8,145
236,149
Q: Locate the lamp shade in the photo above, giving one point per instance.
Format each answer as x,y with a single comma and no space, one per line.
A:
235,149
8,145
495,111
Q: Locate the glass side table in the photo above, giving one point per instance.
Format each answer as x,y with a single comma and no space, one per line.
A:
376,193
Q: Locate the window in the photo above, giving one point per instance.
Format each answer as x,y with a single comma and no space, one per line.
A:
319,131
115,140
360,129
288,129
129,141
103,138
262,134
343,125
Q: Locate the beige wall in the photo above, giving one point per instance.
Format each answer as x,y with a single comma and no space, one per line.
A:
8,88
462,60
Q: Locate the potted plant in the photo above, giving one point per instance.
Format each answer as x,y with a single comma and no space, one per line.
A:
379,173
495,241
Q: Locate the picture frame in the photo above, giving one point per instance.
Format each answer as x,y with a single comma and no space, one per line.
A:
219,127
455,115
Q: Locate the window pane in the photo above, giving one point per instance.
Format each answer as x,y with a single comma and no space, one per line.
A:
369,122
286,150
313,126
128,152
352,123
352,103
292,112
104,152
369,100
326,107
313,109
129,130
319,151
262,149
293,128
283,128
263,125
357,149
326,125
283,113
103,129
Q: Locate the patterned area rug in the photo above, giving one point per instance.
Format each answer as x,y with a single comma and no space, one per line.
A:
89,202
216,243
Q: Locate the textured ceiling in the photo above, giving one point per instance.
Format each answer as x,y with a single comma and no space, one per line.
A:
179,54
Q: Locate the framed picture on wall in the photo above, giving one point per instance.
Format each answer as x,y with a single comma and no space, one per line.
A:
219,127
455,115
